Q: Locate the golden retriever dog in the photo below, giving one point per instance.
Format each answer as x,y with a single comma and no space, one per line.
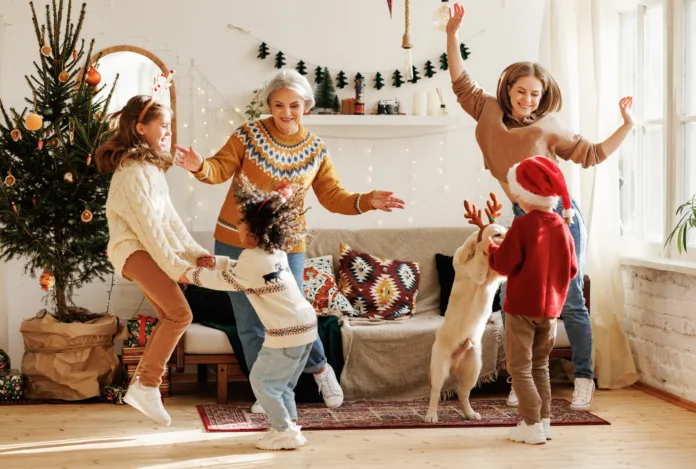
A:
457,347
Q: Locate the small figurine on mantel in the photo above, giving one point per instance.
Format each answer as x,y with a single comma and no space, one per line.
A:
359,96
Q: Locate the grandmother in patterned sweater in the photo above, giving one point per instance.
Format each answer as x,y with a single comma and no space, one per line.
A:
268,152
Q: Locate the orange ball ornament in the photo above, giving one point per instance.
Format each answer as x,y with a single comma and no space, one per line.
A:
47,280
86,216
33,122
93,76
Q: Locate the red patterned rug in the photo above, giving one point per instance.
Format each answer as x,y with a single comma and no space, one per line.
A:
379,415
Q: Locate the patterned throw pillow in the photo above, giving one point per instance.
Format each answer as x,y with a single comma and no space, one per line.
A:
377,287
321,289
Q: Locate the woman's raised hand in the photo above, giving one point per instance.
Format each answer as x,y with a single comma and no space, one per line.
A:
626,105
188,159
456,17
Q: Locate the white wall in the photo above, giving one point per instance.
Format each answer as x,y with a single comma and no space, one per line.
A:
193,38
660,326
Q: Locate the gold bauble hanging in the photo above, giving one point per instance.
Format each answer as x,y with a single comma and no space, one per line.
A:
33,122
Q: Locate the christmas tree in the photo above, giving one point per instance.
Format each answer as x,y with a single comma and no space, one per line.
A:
301,68
317,75
443,62
397,79
429,69
325,93
341,80
464,51
279,60
336,105
416,75
52,200
263,51
379,81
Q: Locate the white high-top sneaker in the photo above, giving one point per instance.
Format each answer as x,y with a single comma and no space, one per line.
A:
546,425
148,401
512,400
583,394
529,434
257,408
274,440
329,388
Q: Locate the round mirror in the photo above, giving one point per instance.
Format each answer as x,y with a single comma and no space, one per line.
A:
136,69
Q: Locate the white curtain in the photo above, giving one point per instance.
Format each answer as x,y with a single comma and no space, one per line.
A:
579,46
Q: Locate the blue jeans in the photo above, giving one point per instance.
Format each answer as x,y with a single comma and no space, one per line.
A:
273,379
575,316
249,327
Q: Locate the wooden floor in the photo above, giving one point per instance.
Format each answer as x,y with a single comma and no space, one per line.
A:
645,433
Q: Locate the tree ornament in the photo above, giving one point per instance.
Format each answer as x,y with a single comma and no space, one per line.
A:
16,135
279,60
341,81
397,79
46,50
10,179
89,159
68,177
54,142
86,216
33,200
415,75
443,62
464,51
74,54
47,280
336,105
93,77
41,144
71,132
317,75
15,209
33,122
379,81
301,68
429,69
263,51
63,77
47,112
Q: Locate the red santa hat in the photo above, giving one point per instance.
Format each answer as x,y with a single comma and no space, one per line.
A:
539,181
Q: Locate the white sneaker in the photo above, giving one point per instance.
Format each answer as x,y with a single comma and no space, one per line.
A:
546,425
274,440
583,394
148,401
512,399
329,388
529,434
257,408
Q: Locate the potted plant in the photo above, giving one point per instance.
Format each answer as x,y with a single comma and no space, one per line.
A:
52,211
687,212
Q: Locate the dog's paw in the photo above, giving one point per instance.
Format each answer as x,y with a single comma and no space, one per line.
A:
431,418
473,415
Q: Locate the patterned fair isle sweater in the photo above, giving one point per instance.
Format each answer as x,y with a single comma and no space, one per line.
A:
289,319
141,218
268,157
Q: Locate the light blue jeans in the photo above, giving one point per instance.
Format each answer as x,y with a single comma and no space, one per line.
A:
575,316
249,327
273,379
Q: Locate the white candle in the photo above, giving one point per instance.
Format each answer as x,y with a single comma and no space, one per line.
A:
433,103
420,102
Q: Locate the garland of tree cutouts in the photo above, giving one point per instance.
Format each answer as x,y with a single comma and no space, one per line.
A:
341,80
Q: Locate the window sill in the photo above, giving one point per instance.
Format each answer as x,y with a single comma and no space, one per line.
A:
668,265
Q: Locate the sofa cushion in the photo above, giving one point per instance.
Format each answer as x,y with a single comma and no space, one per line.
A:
378,287
321,288
202,340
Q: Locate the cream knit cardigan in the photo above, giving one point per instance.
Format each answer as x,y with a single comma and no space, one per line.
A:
142,218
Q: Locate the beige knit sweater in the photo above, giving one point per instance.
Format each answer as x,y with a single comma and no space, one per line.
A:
141,218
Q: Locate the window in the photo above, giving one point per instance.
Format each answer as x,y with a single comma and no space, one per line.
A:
657,162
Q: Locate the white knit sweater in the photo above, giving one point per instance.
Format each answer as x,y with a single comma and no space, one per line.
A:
289,319
141,218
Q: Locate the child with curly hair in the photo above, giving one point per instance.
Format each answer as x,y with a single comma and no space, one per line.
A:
271,224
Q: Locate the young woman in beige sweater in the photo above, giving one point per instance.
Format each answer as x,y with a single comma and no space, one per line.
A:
519,123
148,242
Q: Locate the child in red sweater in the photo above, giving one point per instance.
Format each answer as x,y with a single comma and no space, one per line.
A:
538,257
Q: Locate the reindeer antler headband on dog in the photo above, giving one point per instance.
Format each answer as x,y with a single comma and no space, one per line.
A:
474,215
161,83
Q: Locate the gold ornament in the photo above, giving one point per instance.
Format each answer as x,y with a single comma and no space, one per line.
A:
68,177
71,132
89,159
53,142
86,216
16,135
33,122
40,146
63,77
14,209
46,50
10,179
